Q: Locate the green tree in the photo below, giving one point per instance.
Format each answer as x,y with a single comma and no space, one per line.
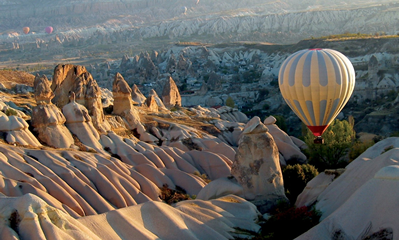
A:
338,138
295,179
230,102
280,122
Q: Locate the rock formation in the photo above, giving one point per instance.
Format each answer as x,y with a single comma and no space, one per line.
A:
47,119
15,130
170,94
152,104
122,95
73,78
78,121
256,166
123,106
158,100
290,152
137,96
370,208
214,82
214,220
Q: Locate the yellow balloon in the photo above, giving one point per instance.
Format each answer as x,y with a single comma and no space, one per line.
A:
316,84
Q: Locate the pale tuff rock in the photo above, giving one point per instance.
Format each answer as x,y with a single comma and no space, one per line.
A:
205,112
152,104
356,174
232,114
257,168
22,88
63,82
4,107
122,95
314,187
170,94
270,120
184,64
214,82
73,78
48,122
106,97
16,131
219,188
47,119
78,121
215,219
137,96
370,205
286,146
42,89
157,99
211,164
123,106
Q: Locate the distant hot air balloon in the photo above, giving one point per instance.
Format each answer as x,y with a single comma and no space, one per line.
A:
49,29
316,84
26,30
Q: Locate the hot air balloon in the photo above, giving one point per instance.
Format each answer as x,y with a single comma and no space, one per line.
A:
49,29
316,84
26,30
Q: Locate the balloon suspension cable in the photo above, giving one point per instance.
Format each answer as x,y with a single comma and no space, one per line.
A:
318,140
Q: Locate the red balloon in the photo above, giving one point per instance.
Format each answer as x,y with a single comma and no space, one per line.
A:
49,29
26,30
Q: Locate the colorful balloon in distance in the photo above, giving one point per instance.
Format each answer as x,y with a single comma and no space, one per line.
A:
49,29
26,30
316,84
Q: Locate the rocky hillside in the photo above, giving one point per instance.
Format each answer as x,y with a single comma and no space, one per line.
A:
109,28
105,165
247,72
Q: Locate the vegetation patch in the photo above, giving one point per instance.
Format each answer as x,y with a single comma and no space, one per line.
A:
295,179
171,196
287,222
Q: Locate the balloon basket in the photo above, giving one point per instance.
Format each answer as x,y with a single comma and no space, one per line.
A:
318,140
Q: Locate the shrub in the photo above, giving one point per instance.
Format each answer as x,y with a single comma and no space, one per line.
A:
296,177
280,122
171,196
230,102
338,138
288,223
11,112
358,148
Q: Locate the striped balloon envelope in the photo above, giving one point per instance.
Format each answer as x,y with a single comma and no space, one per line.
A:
316,84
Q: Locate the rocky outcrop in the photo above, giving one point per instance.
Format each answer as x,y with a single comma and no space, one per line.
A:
123,106
73,78
158,100
78,121
232,114
256,166
152,104
366,189
37,219
214,82
290,152
137,96
42,90
170,94
122,95
15,130
47,119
